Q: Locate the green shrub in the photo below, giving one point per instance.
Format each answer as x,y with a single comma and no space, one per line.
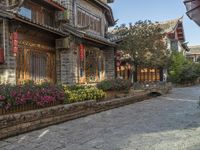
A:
183,71
114,85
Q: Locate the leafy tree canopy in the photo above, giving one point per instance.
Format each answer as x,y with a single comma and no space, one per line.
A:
144,41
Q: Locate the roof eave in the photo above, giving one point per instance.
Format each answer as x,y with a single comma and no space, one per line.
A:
40,26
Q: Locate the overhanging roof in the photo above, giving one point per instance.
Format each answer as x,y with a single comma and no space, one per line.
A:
108,13
174,26
193,10
87,35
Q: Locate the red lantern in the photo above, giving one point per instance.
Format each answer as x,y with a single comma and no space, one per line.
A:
81,52
1,55
15,42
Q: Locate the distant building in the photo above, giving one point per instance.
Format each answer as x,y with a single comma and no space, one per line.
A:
175,36
194,53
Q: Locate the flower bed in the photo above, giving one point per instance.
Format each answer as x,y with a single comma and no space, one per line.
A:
29,96
83,93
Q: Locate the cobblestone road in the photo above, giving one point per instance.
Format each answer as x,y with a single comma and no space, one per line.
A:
169,122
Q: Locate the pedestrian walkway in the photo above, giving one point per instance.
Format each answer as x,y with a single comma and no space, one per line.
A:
169,122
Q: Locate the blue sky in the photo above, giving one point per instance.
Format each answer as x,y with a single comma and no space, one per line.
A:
156,10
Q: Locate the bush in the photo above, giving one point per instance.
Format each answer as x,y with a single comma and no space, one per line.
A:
188,74
114,85
83,93
29,92
182,71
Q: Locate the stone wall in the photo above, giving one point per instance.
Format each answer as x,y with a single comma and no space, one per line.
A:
67,64
110,63
14,124
8,69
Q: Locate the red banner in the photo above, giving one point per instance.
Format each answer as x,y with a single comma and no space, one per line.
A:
81,51
1,55
15,42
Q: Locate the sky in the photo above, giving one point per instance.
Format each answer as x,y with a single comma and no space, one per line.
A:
130,11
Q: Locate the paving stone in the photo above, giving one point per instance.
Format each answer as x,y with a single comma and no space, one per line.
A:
169,122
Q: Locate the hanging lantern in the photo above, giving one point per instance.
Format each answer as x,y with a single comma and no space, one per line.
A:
15,42
1,55
81,51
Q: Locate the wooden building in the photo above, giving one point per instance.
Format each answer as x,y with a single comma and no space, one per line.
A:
92,54
57,40
194,53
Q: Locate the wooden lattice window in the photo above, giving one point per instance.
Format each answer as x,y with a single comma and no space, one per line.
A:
35,65
37,13
38,64
148,74
85,18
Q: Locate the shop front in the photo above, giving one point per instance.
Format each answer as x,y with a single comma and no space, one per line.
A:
91,64
35,56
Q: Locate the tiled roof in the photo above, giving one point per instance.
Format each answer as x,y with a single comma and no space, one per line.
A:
170,25
99,38
87,35
117,38
39,25
109,12
55,4
194,49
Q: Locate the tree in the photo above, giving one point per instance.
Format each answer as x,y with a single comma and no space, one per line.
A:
144,41
181,70
177,62
198,59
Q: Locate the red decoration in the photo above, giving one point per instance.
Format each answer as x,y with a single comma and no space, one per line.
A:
81,52
15,35
118,63
15,42
118,54
1,55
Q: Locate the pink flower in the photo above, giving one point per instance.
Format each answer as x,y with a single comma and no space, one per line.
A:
2,98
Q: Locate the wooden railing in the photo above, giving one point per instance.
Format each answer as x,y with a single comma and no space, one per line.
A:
26,107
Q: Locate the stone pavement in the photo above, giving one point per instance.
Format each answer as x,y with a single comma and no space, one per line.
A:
170,122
